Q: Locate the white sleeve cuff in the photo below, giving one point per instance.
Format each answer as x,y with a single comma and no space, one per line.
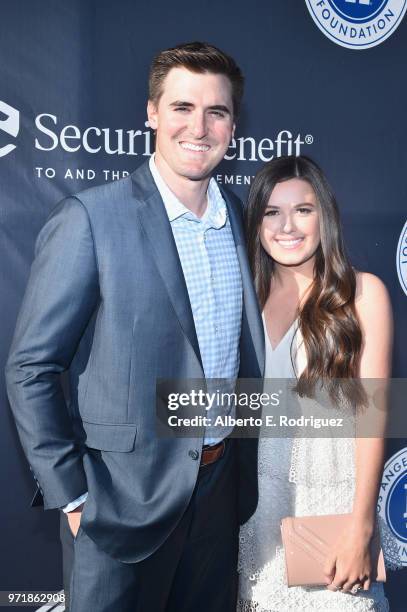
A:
75,503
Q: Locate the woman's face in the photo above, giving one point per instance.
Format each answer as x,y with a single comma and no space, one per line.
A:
289,231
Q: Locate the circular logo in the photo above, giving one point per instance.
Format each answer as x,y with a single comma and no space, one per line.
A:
357,24
392,505
402,259
358,11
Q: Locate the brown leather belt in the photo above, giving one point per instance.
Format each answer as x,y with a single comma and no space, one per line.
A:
211,454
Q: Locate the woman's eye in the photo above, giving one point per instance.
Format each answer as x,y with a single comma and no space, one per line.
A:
304,210
271,213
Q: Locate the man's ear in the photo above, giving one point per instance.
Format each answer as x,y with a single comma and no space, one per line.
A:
233,130
152,115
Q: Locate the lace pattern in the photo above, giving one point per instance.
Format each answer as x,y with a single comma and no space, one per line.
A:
268,593
284,491
300,477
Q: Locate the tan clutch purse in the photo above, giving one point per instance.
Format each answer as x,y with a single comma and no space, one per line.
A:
307,540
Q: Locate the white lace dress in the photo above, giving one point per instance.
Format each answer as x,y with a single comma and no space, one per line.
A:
297,477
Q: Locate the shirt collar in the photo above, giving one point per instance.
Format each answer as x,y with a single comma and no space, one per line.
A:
215,214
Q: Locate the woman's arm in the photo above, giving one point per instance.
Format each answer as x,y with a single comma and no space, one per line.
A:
375,316
351,563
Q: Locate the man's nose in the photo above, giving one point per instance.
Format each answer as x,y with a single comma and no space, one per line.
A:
198,125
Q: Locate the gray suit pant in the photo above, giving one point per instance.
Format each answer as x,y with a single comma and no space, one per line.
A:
194,570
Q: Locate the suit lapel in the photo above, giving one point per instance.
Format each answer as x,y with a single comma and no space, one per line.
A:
154,220
251,307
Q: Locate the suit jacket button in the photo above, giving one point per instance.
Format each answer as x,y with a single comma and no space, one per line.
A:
194,454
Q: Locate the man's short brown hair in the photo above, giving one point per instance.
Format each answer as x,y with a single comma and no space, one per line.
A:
197,57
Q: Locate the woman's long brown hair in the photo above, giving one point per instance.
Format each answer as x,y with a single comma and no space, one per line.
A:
327,318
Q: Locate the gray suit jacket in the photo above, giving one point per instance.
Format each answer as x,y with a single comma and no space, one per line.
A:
107,300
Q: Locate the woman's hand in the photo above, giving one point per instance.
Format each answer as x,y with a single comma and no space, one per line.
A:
348,566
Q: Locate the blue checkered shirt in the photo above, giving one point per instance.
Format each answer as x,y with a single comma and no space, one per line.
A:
207,252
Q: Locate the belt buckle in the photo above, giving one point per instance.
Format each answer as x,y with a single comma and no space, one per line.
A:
223,443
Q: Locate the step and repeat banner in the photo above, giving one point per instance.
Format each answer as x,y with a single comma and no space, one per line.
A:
324,78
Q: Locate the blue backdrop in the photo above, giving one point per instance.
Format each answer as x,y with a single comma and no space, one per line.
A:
73,88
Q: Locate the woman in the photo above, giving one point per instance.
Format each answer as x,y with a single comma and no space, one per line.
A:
323,322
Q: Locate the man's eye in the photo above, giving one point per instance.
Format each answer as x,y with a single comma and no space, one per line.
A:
217,113
181,108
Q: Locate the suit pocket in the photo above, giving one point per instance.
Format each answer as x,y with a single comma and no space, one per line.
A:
110,437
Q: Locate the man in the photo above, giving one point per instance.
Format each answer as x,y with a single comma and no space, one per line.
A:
141,279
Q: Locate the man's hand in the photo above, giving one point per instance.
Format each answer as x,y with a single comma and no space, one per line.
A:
74,519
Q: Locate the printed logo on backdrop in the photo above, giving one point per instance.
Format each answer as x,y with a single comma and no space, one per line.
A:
401,260
392,506
52,135
357,24
10,124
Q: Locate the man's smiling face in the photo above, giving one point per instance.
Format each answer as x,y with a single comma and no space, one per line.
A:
193,121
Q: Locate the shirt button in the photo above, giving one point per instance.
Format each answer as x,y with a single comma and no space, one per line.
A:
216,329
194,454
